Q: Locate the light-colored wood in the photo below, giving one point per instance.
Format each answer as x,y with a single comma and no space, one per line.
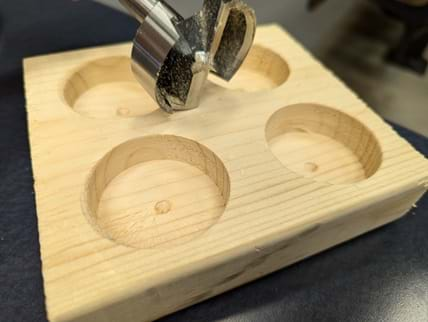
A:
143,213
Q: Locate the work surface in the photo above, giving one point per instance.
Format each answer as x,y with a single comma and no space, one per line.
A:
381,276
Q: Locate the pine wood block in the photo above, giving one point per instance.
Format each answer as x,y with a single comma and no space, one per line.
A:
142,213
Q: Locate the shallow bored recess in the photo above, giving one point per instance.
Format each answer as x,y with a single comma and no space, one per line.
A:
262,70
323,143
156,191
107,88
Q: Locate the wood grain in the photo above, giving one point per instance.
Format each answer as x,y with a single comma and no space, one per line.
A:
142,213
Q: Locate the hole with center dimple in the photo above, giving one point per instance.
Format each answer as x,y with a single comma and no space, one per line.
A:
322,143
163,207
310,167
107,88
156,192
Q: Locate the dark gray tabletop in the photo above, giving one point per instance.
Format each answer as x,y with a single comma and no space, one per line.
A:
382,276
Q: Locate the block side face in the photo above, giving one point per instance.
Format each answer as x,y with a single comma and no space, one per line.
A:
70,131
250,262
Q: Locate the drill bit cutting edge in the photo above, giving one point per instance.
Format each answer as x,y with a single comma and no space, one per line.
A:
173,56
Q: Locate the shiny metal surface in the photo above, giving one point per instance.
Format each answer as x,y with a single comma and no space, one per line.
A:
154,40
139,8
172,56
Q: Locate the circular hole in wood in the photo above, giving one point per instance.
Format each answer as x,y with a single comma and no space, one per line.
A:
262,70
156,192
323,143
107,88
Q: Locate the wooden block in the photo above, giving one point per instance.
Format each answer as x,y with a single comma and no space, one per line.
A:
142,213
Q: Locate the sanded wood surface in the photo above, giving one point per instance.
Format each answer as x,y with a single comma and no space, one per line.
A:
142,213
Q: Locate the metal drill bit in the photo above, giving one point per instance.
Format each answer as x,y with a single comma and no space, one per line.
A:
172,56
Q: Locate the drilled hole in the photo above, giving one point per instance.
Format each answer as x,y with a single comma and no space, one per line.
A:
156,192
107,88
323,143
262,70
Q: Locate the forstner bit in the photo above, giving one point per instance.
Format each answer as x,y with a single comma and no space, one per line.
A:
173,56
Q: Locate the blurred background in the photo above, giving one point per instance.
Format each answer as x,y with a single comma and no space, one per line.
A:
352,38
